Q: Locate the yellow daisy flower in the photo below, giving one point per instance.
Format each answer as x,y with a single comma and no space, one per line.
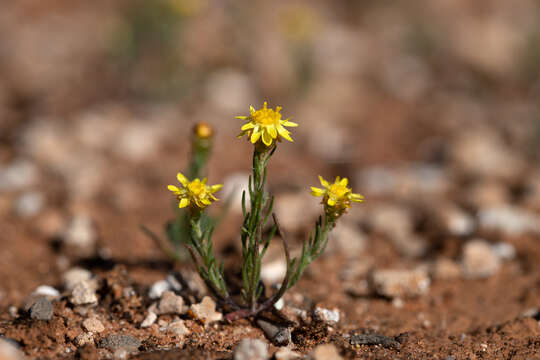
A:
194,192
337,197
266,125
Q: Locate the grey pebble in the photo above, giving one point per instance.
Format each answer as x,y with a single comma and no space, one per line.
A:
374,339
41,309
120,341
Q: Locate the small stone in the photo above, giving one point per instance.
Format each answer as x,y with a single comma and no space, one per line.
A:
325,352
120,341
47,291
206,311
13,311
504,251
93,325
121,354
400,283
149,320
10,351
347,239
454,220
83,294
17,175
285,353
178,327
84,338
396,223
485,154
174,284
279,335
158,288
74,276
509,220
330,317
251,349
374,339
81,235
279,304
41,309
479,259
444,268
29,204
170,303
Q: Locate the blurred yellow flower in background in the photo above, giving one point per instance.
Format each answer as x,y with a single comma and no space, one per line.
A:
194,193
266,125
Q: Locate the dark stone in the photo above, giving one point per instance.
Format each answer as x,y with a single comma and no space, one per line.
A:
41,309
374,339
120,341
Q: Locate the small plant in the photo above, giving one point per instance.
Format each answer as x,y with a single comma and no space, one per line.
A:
265,129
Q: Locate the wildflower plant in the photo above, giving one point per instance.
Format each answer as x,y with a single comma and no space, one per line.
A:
265,129
178,231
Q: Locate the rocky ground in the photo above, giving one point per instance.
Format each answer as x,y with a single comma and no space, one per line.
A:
441,261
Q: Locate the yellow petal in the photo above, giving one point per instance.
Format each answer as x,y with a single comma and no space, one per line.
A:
289,123
251,109
266,138
204,181
272,131
247,126
317,192
215,188
356,197
344,182
323,182
255,136
183,203
331,202
182,179
206,201
241,117
284,133
173,188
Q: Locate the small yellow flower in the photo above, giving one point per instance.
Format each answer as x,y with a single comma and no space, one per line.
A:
266,125
337,197
203,130
194,192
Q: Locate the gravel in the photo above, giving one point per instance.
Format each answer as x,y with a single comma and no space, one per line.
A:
251,349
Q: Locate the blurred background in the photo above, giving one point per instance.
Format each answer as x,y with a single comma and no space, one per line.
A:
431,108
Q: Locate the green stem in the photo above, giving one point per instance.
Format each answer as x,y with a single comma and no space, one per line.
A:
252,231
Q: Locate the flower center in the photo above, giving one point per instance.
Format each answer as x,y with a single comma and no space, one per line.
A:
266,117
338,190
196,187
